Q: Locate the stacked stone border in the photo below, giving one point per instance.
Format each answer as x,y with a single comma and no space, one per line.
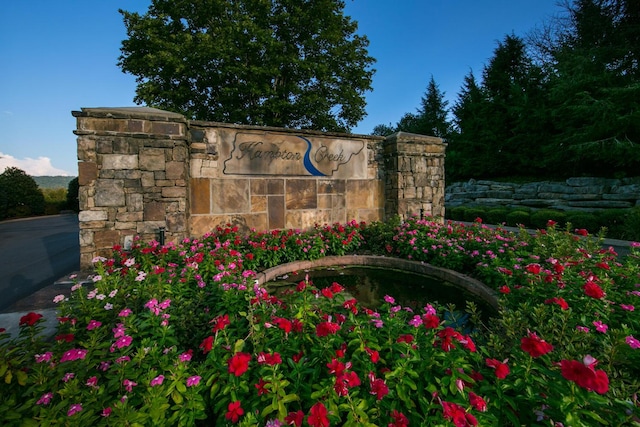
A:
576,194
150,174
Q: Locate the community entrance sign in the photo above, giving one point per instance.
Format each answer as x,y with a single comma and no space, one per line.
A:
293,155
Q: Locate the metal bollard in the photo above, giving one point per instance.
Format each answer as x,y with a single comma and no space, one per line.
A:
161,236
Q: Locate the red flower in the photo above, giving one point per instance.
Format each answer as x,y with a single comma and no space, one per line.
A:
375,356
351,304
234,411
533,268
239,363
593,290
294,418
378,387
585,374
408,338
30,319
505,289
207,344
455,413
337,367
318,416
284,324
502,370
269,359
65,337
582,231
220,322
336,288
534,345
325,328
399,419
558,300
261,387
430,321
327,293
478,403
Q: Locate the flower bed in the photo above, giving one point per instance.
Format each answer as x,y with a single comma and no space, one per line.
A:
180,335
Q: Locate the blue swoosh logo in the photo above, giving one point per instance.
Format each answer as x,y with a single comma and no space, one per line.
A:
307,160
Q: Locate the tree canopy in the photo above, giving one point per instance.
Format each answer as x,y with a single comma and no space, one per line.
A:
19,194
565,101
287,63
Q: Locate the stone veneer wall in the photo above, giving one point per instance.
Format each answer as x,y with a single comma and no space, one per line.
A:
142,170
583,193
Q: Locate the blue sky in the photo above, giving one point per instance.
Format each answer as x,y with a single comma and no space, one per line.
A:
60,56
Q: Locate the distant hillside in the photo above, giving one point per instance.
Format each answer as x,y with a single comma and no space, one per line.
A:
53,181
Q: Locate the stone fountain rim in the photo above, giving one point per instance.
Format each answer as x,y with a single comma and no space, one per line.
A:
465,282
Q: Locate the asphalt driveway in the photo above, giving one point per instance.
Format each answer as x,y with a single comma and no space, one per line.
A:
35,252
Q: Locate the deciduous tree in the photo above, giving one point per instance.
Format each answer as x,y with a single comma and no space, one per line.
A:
290,63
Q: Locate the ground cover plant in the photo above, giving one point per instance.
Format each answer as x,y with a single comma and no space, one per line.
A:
180,334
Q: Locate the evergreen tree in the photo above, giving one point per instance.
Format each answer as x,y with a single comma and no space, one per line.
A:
290,63
595,89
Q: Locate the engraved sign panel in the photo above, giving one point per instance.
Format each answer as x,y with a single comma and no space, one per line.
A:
293,155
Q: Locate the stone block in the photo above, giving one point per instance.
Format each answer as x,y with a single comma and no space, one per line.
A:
230,196
109,192
150,227
167,128
106,238
275,186
152,159
154,211
130,217
324,201
175,170
174,192
275,212
94,215
331,186
147,179
301,194
258,203
360,194
177,222
200,196
258,187
87,172
119,161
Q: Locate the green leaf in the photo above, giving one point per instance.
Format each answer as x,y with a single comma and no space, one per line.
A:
239,346
180,386
289,398
176,397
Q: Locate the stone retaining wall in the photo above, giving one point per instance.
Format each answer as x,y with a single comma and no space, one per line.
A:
149,173
585,194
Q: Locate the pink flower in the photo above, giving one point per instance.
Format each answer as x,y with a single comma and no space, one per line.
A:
45,399
582,328
118,331
106,412
129,385
74,409
121,342
389,299
58,298
93,324
125,313
41,358
600,327
73,354
186,356
92,382
627,307
157,381
633,342
68,377
193,381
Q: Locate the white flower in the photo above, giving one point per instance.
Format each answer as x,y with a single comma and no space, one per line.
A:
108,306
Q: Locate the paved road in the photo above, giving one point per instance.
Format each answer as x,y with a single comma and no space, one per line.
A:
34,253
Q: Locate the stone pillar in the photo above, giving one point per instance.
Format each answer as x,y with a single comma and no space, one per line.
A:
414,175
133,172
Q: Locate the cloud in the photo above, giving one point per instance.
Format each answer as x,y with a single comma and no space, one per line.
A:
33,167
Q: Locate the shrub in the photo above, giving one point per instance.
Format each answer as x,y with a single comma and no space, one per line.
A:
73,189
471,214
456,214
539,219
517,218
584,220
496,215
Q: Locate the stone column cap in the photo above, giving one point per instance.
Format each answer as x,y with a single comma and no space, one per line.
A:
148,113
